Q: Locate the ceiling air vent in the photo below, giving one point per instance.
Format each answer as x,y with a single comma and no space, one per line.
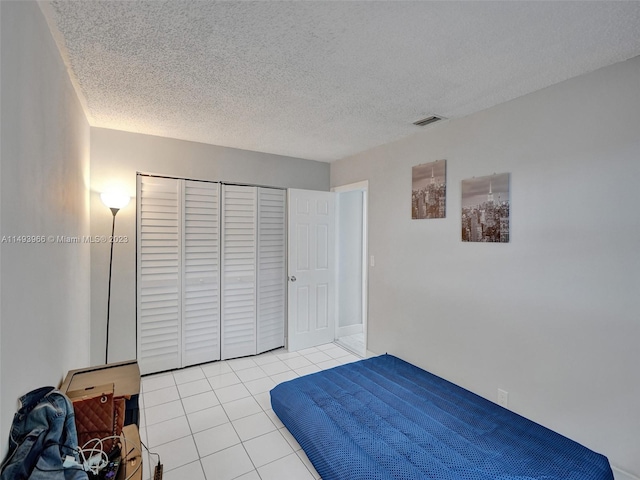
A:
427,121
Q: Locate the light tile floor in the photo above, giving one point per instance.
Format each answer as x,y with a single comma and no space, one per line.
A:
215,422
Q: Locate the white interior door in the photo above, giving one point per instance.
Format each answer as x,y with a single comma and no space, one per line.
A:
311,268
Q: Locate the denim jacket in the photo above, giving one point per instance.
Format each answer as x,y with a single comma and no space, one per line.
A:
42,434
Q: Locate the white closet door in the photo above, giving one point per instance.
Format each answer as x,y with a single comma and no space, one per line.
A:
159,274
201,272
271,269
238,271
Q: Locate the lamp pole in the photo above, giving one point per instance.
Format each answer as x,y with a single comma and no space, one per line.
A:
114,201
113,229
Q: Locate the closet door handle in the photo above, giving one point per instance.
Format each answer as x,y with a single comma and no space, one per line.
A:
293,278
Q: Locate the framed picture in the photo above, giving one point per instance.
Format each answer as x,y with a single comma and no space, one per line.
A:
485,209
429,190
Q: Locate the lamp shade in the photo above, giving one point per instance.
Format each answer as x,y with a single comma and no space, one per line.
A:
116,200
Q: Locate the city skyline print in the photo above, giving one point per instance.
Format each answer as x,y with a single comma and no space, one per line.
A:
429,190
486,209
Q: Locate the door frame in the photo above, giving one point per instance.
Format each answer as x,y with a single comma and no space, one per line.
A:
362,186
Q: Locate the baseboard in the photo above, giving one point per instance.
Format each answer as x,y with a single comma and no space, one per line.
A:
622,475
349,330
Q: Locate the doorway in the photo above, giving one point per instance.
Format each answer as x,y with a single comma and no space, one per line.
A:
351,271
327,268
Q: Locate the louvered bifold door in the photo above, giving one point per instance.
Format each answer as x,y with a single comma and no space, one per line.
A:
201,273
159,274
271,268
238,271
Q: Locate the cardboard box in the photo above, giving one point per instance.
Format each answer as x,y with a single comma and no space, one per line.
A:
125,377
131,464
87,393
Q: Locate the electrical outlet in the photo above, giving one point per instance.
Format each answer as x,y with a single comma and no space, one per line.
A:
503,398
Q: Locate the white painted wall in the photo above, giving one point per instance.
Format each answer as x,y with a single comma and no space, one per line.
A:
45,307
349,250
553,316
115,158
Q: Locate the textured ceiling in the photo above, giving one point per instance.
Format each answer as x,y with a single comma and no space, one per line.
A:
323,79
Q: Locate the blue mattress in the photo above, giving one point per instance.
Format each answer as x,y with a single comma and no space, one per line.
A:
383,418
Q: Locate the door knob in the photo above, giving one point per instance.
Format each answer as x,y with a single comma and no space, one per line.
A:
293,278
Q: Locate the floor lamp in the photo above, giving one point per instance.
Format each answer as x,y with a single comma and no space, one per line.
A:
115,201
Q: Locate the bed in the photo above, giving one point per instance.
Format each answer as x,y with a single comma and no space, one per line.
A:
383,418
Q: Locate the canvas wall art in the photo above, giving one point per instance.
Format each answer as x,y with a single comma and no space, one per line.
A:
429,190
485,209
